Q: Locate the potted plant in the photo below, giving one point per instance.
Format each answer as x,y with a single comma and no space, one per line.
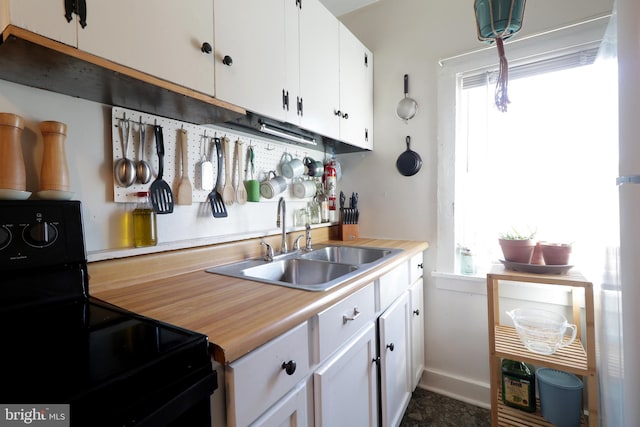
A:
556,253
517,247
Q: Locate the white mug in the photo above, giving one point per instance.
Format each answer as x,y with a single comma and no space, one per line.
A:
291,167
303,189
272,187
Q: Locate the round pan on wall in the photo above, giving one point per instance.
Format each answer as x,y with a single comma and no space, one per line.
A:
409,162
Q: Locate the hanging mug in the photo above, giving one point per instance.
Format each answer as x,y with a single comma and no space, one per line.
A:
313,167
304,189
272,186
291,167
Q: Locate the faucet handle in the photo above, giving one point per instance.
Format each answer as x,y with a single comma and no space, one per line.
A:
307,233
269,255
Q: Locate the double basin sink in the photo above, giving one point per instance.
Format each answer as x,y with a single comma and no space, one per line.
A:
317,270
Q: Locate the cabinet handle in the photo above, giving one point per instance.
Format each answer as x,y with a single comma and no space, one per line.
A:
356,314
337,113
227,60
206,48
375,360
289,367
416,312
391,346
421,266
79,7
285,100
345,116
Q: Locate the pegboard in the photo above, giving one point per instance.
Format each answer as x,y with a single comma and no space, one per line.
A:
200,139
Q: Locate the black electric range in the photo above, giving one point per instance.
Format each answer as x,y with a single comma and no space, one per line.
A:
62,346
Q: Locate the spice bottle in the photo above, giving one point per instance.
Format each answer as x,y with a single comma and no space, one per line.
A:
145,231
518,385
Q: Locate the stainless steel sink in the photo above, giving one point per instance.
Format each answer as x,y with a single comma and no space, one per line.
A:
348,254
318,270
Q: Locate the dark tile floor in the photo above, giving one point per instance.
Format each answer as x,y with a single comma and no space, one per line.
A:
428,409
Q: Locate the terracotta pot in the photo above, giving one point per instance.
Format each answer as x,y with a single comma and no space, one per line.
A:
517,250
556,253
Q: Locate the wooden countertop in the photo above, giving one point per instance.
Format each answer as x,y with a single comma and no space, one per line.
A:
237,315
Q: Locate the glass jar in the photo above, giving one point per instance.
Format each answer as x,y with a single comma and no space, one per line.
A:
145,229
314,211
323,202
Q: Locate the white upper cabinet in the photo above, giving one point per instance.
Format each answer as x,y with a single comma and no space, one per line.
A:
164,40
319,69
251,39
46,18
356,91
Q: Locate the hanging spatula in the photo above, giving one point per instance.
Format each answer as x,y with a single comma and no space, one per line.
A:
160,191
185,192
215,197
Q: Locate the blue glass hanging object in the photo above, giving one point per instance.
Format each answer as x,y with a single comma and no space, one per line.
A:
498,18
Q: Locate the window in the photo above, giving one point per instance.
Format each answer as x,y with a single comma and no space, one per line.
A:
548,164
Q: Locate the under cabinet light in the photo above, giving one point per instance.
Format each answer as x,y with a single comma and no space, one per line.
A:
286,134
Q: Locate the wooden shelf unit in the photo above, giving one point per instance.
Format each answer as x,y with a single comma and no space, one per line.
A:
578,358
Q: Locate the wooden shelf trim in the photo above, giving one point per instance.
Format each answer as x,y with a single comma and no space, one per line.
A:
571,358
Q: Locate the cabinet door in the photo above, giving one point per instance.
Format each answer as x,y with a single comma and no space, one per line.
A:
319,69
345,387
251,33
395,386
416,293
45,18
290,411
164,40
356,91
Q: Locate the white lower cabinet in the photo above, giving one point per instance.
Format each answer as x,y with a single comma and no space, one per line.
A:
290,411
355,363
395,382
261,378
345,387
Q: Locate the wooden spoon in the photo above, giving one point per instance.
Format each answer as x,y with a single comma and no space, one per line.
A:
241,192
228,194
185,192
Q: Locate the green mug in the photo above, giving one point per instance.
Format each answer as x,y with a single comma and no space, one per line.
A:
253,190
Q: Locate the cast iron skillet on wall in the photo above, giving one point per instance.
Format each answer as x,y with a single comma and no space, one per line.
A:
409,162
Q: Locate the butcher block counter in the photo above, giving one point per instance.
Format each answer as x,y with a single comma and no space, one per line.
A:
237,315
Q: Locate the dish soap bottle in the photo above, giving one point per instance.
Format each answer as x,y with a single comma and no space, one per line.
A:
145,231
518,385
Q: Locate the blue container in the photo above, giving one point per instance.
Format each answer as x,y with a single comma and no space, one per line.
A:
560,397
501,10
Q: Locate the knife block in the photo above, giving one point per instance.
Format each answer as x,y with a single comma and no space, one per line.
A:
349,232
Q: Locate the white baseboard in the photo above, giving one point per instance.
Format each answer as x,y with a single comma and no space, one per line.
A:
459,388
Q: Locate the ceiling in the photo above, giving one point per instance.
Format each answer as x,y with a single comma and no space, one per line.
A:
340,7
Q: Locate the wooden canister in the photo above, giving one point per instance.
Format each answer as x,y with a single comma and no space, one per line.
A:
12,171
54,174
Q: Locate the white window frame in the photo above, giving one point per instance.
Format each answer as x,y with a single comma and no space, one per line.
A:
572,38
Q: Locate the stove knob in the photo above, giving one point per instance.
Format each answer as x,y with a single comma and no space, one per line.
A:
5,237
41,234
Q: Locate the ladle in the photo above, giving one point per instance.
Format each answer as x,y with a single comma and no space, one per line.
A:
143,169
125,169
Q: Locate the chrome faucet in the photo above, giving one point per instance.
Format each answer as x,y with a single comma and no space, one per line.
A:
282,206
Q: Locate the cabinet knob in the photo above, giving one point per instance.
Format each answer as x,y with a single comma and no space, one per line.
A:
289,367
416,312
345,116
375,360
227,60
391,346
206,48
337,113
421,266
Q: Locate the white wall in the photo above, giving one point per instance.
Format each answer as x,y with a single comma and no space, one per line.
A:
410,36
89,156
